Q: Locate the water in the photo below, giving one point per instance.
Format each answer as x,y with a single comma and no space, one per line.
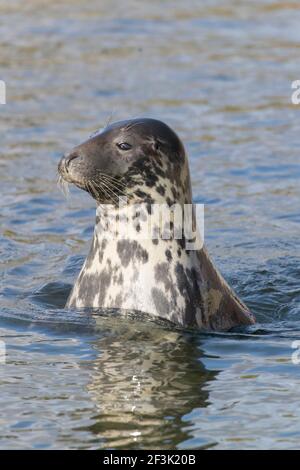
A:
220,73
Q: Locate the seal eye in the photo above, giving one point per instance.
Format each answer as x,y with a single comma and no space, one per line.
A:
124,146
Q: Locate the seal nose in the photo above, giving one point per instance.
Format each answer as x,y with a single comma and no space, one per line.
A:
65,162
68,158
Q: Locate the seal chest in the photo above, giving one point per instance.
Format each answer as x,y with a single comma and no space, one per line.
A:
143,163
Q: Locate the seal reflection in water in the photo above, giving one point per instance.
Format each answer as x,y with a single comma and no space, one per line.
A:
146,381
145,161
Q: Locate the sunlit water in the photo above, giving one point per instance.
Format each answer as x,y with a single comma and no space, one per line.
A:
220,73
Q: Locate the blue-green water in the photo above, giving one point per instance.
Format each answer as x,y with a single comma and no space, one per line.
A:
220,73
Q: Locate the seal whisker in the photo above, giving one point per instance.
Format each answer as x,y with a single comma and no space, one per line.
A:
114,186
63,185
109,120
120,194
112,178
113,195
90,188
111,185
97,189
115,181
132,125
106,190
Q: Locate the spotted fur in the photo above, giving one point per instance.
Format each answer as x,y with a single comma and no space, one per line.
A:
156,276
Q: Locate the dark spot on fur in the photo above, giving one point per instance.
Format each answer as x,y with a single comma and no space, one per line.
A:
131,251
92,254
181,242
161,190
175,193
161,272
163,276
140,193
169,201
118,301
151,179
188,287
144,167
149,208
104,283
160,301
102,249
87,289
116,274
159,171
168,255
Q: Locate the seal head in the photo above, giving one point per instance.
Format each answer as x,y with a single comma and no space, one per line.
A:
127,154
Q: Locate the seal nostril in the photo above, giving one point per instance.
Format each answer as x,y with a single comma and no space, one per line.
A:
69,158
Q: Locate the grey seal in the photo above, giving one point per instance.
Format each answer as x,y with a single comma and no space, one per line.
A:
144,160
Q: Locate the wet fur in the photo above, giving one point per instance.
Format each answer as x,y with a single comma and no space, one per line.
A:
159,277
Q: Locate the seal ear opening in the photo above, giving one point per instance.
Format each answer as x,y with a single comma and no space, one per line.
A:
157,145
